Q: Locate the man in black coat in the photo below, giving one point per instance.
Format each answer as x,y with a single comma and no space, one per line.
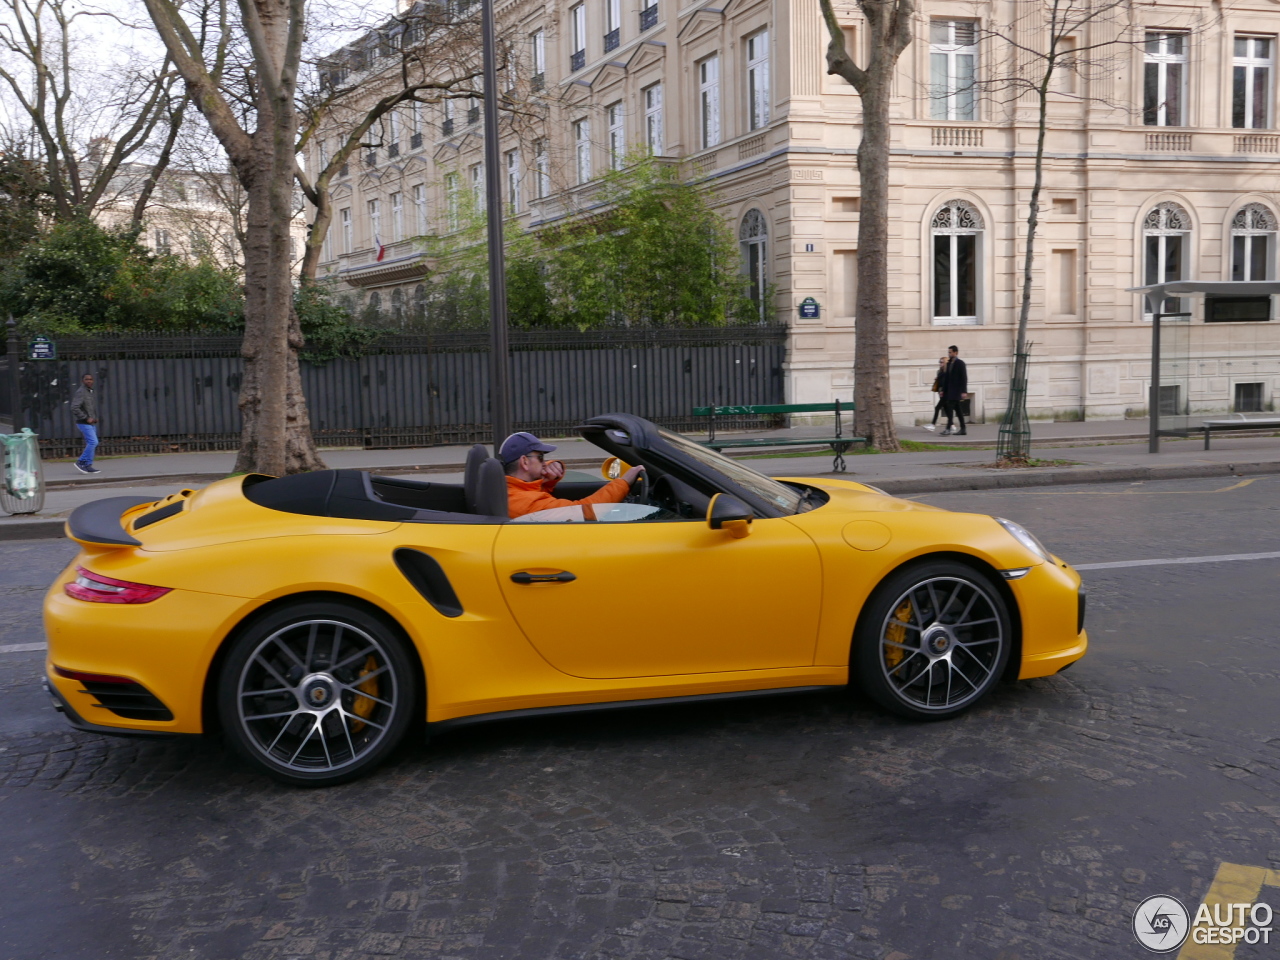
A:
955,390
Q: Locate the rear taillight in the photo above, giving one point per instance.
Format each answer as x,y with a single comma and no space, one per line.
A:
96,588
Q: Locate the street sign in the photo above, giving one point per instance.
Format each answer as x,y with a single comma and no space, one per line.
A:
809,309
42,348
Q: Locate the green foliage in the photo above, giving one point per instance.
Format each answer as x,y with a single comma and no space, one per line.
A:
327,326
79,278
24,202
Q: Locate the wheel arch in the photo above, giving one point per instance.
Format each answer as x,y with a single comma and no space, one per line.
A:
981,566
210,723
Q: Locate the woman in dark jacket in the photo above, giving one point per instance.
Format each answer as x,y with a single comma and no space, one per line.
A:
938,379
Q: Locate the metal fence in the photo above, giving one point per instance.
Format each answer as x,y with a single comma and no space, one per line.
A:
158,394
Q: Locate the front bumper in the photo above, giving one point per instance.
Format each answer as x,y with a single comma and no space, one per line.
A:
1053,635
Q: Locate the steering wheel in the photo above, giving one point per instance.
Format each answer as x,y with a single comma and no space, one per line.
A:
639,489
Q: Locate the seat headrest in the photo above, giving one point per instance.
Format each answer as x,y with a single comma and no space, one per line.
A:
491,494
471,475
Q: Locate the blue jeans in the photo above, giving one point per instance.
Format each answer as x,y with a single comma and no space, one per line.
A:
90,433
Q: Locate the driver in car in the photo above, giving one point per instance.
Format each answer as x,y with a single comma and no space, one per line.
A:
531,480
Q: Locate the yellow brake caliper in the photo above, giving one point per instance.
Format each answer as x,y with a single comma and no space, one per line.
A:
363,706
897,634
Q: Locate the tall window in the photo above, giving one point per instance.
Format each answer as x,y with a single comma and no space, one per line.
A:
582,150
753,238
612,24
617,136
541,170
344,215
1253,243
374,209
513,180
420,208
476,175
1164,80
709,101
451,200
397,216
757,80
1251,83
953,69
957,235
578,36
1165,233
393,131
538,57
653,119
322,156
163,245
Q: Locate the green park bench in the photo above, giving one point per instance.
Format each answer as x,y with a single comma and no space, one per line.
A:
839,444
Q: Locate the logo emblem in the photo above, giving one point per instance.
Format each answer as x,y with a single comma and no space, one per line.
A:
1161,924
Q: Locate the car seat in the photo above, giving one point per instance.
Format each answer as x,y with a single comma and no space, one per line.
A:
491,490
471,476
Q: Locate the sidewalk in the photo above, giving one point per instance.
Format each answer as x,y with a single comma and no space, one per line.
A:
1099,452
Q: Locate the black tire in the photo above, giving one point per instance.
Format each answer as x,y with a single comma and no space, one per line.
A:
317,693
933,640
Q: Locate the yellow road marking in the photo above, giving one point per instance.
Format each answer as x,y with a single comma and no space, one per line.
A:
1233,883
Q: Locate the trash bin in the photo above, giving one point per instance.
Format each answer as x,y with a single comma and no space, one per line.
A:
23,488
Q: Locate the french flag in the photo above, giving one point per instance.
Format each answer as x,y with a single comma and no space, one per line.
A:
382,250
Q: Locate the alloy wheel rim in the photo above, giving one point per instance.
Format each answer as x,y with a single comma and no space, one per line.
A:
941,643
317,696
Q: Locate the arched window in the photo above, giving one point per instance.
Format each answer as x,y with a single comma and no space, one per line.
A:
397,306
957,248
1253,243
419,302
753,237
1166,232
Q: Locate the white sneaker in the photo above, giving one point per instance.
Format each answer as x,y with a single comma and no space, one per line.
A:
930,427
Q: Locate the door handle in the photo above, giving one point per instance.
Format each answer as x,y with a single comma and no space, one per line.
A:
524,576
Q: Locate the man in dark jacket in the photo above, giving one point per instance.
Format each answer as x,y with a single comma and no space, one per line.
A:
955,390
84,408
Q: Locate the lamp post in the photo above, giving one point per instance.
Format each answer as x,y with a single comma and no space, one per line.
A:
499,359
15,388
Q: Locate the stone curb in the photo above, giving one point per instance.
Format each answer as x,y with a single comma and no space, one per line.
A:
1013,478
48,528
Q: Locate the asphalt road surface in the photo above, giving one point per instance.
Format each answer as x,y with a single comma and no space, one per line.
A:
804,826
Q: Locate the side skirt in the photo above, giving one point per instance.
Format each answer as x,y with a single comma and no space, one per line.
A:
442,725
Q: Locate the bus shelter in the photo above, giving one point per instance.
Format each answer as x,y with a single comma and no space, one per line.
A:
1215,351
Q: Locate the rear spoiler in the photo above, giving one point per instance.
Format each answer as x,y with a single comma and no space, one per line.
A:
98,523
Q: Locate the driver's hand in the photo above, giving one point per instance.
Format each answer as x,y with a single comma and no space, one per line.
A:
630,475
553,470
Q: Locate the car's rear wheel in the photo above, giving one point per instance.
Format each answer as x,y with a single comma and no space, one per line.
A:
317,692
933,640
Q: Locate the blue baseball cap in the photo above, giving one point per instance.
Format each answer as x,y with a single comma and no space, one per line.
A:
519,444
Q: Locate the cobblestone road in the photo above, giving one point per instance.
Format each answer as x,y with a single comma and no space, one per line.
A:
806,826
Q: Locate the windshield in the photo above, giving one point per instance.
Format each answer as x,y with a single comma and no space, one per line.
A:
785,498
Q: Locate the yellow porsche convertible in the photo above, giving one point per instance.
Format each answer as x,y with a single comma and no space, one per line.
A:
313,619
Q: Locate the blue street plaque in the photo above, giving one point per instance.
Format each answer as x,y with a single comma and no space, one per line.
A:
809,309
42,348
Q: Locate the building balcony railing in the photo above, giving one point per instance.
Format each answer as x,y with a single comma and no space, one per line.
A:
415,141
1256,143
446,128
648,17
956,136
538,82
612,39
393,150
1169,141
577,61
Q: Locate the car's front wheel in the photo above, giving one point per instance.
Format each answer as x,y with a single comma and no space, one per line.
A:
934,639
317,692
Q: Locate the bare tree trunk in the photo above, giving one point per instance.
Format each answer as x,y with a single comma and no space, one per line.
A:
889,25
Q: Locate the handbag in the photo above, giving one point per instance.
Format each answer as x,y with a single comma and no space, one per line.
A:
965,407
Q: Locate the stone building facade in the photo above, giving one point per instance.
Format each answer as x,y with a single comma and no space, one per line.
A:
1162,162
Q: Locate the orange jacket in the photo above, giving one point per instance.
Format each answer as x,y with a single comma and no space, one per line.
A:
529,496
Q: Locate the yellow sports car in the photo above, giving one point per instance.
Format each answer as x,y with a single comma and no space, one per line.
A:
313,619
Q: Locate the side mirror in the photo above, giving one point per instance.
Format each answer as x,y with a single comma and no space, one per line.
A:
613,468
730,515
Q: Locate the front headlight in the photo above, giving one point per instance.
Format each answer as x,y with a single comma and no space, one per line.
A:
1024,537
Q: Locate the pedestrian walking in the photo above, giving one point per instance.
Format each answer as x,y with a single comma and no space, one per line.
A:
84,408
955,391
939,404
